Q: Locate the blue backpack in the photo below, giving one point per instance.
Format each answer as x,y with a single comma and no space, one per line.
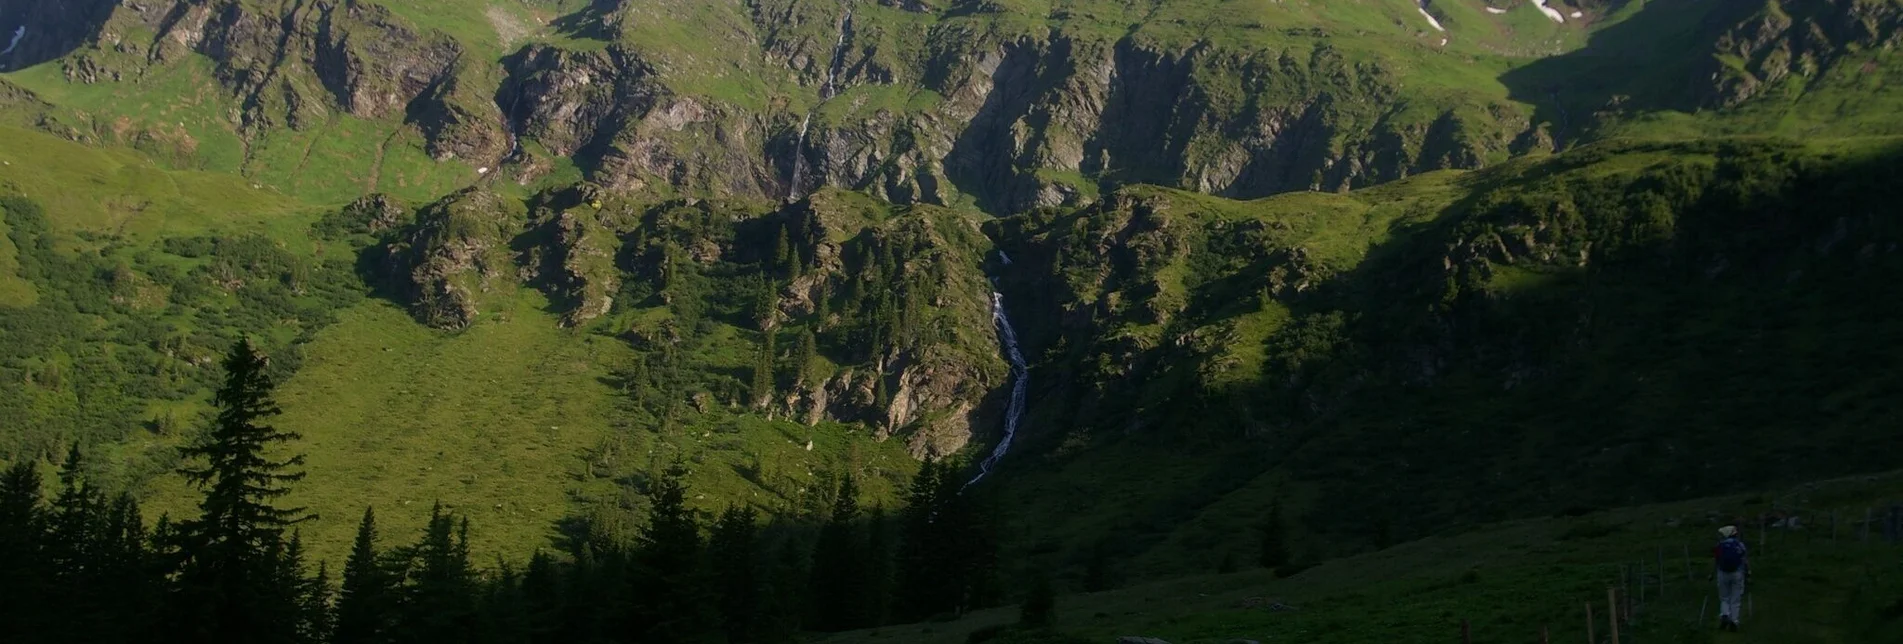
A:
1730,555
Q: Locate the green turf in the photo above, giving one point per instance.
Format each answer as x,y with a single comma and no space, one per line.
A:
1509,581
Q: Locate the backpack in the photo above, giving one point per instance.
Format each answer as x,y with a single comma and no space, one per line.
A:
1730,555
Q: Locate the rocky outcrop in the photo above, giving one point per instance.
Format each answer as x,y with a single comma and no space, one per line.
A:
589,277
457,256
1017,122
1795,39
288,64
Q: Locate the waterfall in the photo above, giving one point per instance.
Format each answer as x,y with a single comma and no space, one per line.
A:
1020,384
826,93
17,35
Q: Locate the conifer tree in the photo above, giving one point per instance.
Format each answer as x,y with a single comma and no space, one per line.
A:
1274,538
839,571
784,259
878,567
365,602
1039,609
227,589
762,388
673,605
438,601
23,568
732,554
920,560
804,351
542,598
75,535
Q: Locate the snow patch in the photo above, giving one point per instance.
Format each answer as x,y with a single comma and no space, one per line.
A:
1431,20
1549,11
17,35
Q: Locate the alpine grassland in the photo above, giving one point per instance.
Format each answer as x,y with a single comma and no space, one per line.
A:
674,320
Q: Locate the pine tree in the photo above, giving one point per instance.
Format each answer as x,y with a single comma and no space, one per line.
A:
804,351
226,587
732,553
74,539
784,259
762,388
1274,538
542,598
23,566
674,605
922,578
437,604
1039,609
129,580
365,602
839,572
878,567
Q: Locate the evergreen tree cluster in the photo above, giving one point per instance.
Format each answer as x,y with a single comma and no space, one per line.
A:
85,567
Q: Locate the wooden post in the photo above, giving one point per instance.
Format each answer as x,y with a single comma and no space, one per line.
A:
1661,572
1590,638
1625,598
1543,638
1688,565
1466,633
1612,617
1641,581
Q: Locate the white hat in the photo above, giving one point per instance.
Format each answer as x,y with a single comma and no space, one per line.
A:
1728,531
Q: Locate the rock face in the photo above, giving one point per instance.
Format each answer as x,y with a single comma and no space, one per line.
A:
288,64
456,256
1796,39
1017,123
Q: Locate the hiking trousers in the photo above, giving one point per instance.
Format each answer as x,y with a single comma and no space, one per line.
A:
1731,595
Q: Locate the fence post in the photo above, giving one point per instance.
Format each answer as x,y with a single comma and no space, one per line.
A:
1833,526
1612,616
1866,525
1543,638
1688,565
1590,638
1466,633
1641,576
1661,572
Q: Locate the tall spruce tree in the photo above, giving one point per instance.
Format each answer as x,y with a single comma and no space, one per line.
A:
732,552
673,598
839,565
226,588
366,602
1274,550
23,565
438,602
878,567
921,559
543,599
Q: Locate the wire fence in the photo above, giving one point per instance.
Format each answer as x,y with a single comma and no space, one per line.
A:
1646,581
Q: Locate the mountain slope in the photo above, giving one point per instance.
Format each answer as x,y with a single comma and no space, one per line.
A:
1318,250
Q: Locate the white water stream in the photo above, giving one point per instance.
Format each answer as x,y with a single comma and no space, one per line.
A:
1020,383
826,93
17,35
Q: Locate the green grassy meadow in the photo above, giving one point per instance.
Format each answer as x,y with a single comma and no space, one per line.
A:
1509,581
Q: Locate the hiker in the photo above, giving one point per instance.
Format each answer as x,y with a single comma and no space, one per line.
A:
1734,570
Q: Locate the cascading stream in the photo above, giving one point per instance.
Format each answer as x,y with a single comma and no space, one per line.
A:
17,35
1020,382
826,93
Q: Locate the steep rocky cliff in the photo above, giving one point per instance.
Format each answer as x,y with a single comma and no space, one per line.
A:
456,255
